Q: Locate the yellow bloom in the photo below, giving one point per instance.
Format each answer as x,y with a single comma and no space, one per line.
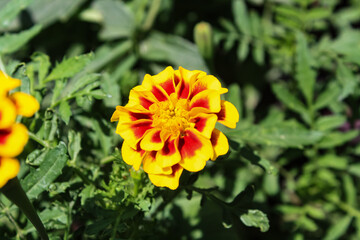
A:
169,122
13,136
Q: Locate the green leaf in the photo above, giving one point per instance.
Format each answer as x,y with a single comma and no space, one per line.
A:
335,139
355,169
65,111
328,96
118,19
350,190
173,49
74,145
256,218
10,43
283,135
11,10
243,48
251,156
331,161
271,184
39,180
290,100
305,75
69,67
43,67
339,228
329,122
241,16
347,80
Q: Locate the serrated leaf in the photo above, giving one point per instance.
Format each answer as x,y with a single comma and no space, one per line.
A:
328,96
338,229
65,112
335,139
241,17
10,43
291,101
44,65
39,180
329,122
347,80
305,75
283,135
69,67
256,218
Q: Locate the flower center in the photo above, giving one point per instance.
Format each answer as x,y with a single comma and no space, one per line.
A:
172,116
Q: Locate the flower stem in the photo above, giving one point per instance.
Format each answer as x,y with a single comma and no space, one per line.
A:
14,192
152,13
38,140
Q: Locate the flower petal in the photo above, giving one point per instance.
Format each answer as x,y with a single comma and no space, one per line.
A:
169,155
205,83
7,83
131,114
133,132
7,113
132,156
219,143
13,140
228,114
152,140
9,168
166,80
26,105
183,79
150,85
171,181
142,98
206,101
204,123
195,150
152,167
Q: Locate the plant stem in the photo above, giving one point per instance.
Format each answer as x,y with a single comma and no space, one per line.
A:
107,159
152,13
12,220
38,140
117,221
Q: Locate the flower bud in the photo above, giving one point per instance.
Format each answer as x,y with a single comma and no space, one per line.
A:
203,39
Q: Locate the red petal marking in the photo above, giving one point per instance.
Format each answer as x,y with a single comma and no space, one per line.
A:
168,86
141,128
183,89
214,137
197,89
169,148
158,94
221,115
176,80
4,134
175,168
202,102
189,144
136,116
146,103
0,115
156,137
200,123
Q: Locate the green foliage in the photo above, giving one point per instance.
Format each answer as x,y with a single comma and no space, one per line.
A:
292,70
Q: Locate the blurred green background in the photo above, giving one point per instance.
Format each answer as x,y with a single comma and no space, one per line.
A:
292,70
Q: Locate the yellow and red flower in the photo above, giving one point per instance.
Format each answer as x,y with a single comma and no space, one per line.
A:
169,122
13,136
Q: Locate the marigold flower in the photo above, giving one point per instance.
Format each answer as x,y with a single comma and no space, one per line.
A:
13,136
169,122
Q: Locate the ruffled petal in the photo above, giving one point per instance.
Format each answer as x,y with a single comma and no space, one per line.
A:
195,150
7,113
165,79
158,92
170,181
206,101
141,98
131,114
205,83
152,167
184,79
204,123
169,155
152,140
26,105
9,168
13,140
133,132
228,114
132,156
7,83
219,143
